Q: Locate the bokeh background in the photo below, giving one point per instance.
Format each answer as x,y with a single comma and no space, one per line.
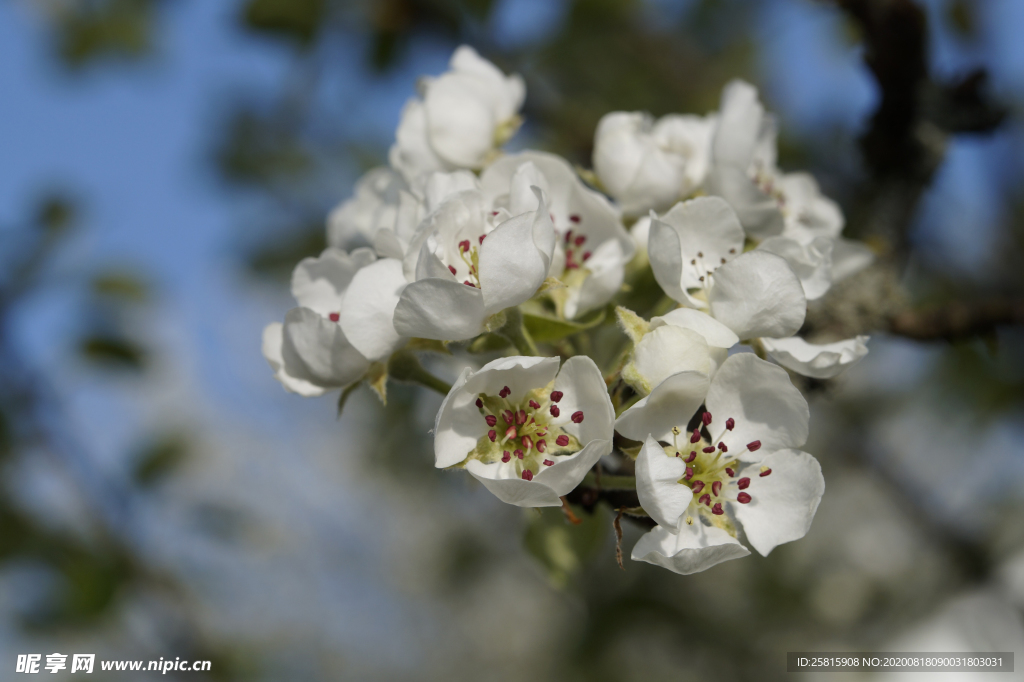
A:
164,164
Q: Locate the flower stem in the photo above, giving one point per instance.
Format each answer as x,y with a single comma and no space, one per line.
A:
515,331
405,366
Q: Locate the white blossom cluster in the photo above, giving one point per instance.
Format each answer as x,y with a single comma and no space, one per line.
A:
459,243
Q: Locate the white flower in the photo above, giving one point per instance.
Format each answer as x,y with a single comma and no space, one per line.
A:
696,254
525,429
470,261
740,465
463,116
649,165
592,248
310,353
786,212
374,206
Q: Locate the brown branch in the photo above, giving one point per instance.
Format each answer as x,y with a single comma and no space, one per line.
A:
957,320
617,524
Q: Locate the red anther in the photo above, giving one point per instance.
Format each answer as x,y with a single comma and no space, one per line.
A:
765,473
709,449
494,213
334,317
527,443
756,445
534,404
697,487
506,456
705,499
574,218
743,483
491,420
689,473
723,447
504,392
492,434
743,498
730,423
577,417
507,416
562,441
706,418
548,463
693,456
554,411
510,433
542,445
527,475
717,509
542,432
518,454
578,241
451,269
464,245
521,417
556,396
568,236
695,436
586,256
468,283
570,265
480,403
482,238
729,471
716,488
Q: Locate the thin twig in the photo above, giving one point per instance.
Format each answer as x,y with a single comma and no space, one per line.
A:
617,525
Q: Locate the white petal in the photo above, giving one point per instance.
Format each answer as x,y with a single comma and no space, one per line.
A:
412,154
514,259
520,373
739,125
821,361
758,294
315,350
671,403
708,232
440,187
372,206
696,548
607,265
713,331
640,232
458,425
758,213
436,308
460,124
568,472
583,389
620,149
812,262
783,503
763,402
809,211
273,340
517,491
369,307
666,351
661,494
320,283
849,257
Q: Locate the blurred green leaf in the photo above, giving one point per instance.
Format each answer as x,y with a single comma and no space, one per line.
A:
298,20
562,547
113,350
488,343
279,259
90,29
159,458
260,149
123,285
55,214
